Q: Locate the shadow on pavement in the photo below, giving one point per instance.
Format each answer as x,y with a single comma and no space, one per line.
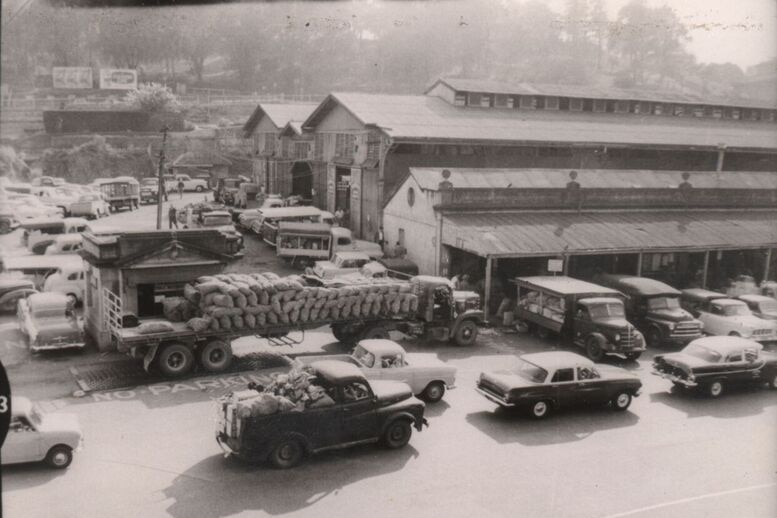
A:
217,487
508,426
436,409
737,401
32,474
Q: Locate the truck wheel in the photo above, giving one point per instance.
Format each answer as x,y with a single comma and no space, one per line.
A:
621,401
773,382
540,409
397,434
633,356
199,188
287,454
343,333
175,360
542,333
466,334
375,332
593,349
60,456
715,389
654,337
216,356
433,392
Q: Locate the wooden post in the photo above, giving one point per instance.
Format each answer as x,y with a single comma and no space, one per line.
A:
160,180
487,291
639,264
704,269
767,263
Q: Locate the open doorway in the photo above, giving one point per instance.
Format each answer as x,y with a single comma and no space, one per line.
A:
302,180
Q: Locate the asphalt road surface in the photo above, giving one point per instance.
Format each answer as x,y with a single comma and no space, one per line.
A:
150,450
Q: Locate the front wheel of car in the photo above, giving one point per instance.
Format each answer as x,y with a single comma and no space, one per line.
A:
540,409
433,392
397,434
287,454
60,456
621,401
199,188
715,389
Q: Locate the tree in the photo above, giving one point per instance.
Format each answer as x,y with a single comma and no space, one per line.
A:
153,97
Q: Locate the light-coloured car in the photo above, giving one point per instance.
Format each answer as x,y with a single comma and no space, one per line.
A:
733,317
65,244
342,263
761,306
29,206
90,206
189,183
35,436
49,321
69,280
62,197
383,359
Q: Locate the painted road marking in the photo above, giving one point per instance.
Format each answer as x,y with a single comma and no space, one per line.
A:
690,499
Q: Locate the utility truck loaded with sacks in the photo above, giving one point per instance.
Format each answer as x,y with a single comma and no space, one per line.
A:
199,326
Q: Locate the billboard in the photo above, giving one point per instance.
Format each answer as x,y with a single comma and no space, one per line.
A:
119,78
72,77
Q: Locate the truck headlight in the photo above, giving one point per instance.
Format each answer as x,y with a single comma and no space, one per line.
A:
672,325
617,337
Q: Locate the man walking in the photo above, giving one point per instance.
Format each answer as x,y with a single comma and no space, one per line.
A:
180,189
172,217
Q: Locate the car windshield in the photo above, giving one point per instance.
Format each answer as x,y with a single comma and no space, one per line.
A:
530,372
36,415
659,303
735,310
768,307
364,356
607,310
703,353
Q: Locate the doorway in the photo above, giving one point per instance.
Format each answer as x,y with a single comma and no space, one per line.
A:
302,180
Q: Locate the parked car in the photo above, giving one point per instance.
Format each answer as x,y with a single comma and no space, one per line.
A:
226,189
90,206
342,263
47,181
713,363
189,183
543,382
61,197
35,435
65,244
762,306
383,359
8,219
49,322
360,412
28,206
149,190
40,233
725,316
68,279
13,289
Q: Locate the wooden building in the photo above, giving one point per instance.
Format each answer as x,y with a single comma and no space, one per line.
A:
686,228
365,144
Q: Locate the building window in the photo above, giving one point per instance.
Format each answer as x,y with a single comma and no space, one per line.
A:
474,99
411,196
345,145
717,113
576,105
658,109
301,150
679,110
373,147
551,103
285,144
269,143
503,101
319,147
736,114
599,105
528,102
622,107
460,99
485,101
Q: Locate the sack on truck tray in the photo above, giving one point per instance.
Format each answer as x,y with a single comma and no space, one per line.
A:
149,328
199,324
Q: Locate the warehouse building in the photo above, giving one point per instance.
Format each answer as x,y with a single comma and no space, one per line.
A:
696,228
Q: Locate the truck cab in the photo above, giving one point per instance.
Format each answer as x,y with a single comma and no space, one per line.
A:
722,315
654,307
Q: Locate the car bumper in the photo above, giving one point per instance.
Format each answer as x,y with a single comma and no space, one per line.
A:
675,379
223,445
494,398
681,339
52,347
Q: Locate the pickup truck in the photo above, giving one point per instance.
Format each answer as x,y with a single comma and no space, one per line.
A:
189,183
383,359
49,322
357,412
722,316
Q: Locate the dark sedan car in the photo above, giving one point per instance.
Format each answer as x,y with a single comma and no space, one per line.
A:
712,363
543,382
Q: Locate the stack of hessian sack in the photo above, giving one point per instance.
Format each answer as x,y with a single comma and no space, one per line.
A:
253,301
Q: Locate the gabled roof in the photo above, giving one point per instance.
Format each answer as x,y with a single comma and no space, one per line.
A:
429,178
597,92
279,114
428,119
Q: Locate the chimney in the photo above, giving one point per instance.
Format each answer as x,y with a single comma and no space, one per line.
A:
446,188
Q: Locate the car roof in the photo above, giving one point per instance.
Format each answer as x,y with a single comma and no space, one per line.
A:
728,302
698,293
337,371
566,285
599,300
20,406
216,213
756,298
34,223
382,347
553,360
49,299
68,238
726,344
352,255
643,285
8,283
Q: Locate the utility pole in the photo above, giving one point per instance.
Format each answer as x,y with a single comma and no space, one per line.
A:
160,180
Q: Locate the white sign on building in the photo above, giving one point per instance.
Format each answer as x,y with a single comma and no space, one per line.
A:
71,77
118,79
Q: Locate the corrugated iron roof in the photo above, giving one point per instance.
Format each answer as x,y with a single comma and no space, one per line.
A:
421,118
279,113
429,178
598,92
514,234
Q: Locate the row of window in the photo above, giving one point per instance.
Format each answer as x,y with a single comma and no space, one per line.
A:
542,102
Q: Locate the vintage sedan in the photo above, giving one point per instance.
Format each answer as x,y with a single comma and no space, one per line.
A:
35,436
761,306
12,290
49,321
713,363
381,359
543,382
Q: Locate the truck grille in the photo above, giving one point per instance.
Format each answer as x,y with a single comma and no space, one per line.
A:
686,329
629,338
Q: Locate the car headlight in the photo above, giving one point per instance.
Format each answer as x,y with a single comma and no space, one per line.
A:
672,325
617,337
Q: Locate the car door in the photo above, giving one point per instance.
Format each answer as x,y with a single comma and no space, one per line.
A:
562,385
590,387
743,366
713,320
393,368
23,442
359,419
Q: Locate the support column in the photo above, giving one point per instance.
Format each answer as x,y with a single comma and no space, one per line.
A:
639,264
438,243
487,291
767,263
721,157
705,268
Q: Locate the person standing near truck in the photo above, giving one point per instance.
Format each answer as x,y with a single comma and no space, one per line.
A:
172,217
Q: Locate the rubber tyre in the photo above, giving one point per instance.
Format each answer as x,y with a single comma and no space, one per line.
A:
433,392
287,454
397,434
654,337
542,333
216,356
466,333
715,389
59,457
540,410
342,334
734,333
375,332
199,188
71,298
593,350
5,226
633,356
175,360
621,401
